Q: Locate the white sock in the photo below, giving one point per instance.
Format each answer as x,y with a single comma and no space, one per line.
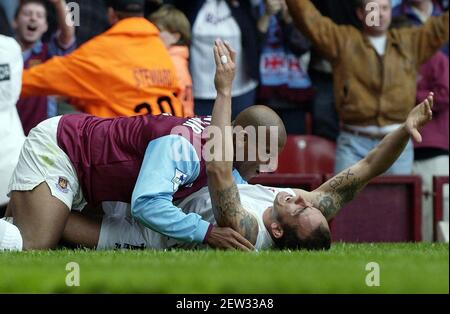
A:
10,237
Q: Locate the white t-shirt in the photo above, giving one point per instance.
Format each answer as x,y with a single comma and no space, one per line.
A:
214,20
11,131
119,231
379,43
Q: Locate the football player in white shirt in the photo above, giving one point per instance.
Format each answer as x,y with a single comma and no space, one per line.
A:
267,217
11,132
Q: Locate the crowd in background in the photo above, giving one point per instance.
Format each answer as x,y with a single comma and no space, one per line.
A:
332,77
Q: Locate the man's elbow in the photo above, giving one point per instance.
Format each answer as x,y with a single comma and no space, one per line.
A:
138,207
136,210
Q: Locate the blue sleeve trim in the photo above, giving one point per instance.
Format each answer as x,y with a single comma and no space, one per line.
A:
169,162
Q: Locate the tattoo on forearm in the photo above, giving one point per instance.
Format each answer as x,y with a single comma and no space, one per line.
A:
344,188
348,192
249,226
327,206
224,202
229,212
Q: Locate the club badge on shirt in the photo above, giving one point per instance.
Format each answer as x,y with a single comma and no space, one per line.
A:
62,184
179,179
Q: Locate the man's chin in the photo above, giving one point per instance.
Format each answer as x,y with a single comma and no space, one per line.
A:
30,39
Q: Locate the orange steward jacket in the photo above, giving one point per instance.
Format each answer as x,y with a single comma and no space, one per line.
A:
123,72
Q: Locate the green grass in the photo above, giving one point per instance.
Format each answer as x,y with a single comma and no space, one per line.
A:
404,268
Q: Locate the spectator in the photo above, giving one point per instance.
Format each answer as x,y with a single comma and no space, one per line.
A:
175,32
374,71
324,116
233,21
418,12
30,24
11,132
285,84
431,155
122,72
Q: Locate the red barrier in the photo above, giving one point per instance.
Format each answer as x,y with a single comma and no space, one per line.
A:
307,182
307,154
389,209
438,202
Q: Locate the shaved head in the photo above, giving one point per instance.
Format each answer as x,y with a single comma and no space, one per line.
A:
258,118
262,116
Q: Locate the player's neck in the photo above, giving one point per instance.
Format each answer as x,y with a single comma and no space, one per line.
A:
267,220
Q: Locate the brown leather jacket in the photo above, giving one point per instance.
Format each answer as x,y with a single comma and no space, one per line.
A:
369,89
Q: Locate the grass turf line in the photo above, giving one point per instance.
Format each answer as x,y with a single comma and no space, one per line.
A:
404,268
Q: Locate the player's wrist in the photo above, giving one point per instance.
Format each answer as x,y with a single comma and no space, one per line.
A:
224,92
208,233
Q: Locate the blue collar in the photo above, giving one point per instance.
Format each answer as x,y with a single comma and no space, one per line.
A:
36,49
407,9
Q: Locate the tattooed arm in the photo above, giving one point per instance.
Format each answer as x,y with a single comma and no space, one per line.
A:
341,189
228,210
227,207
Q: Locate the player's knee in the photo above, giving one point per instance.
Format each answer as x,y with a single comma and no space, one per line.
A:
37,244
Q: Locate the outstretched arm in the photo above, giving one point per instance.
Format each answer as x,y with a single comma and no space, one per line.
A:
341,189
326,36
66,31
227,207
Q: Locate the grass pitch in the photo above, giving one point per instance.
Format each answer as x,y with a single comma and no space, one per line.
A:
404,268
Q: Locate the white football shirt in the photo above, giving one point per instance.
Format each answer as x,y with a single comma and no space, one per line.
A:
11,131
120,230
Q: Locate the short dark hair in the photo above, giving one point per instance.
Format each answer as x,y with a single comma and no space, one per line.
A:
319,239
124,15
26,2
127,8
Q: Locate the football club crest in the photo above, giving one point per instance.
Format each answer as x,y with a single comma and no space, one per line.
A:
179,179
63,184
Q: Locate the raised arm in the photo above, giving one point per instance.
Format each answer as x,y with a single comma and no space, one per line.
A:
66,31
326,36
227,207
430,37
341,189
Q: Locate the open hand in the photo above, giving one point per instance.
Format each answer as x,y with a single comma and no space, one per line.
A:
225,58
419,117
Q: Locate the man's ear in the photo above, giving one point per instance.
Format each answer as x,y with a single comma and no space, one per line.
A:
177,37
112,16
360,13
241,138
277,230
